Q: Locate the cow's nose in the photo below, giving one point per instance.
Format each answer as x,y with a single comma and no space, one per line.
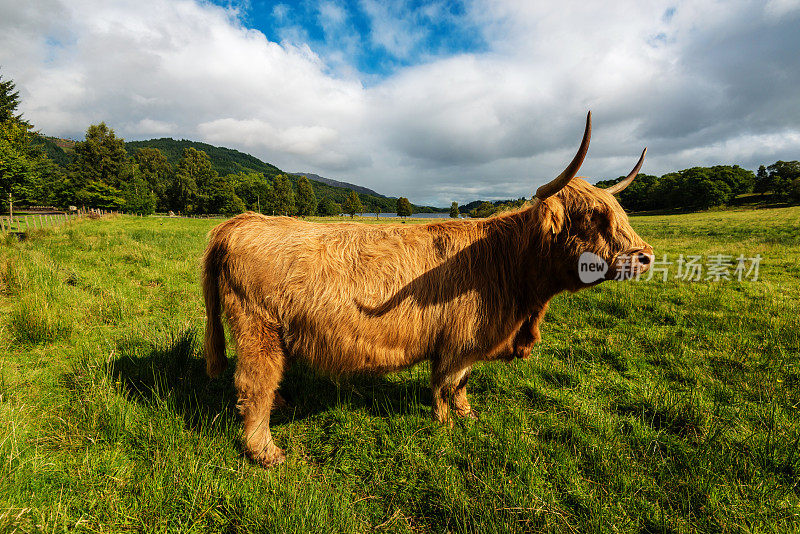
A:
644,259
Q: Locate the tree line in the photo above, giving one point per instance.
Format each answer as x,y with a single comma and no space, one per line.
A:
703,187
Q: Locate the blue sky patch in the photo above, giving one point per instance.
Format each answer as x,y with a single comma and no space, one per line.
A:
372,37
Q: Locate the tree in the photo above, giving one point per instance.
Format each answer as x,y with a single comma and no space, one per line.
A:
254,190
353,204
329,207
139,197
782,174
157,172
403,207
485,209
17,169
284,195
192,178
306,199
220,197
794,191
762,184
26,175
9,101
454,213
101,158
100,195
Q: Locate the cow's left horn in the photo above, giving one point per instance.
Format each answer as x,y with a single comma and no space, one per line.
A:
551,188
619,186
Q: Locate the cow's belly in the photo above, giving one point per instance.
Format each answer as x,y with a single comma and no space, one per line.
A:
340,345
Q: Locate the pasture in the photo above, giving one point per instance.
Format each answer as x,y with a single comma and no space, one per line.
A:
649,406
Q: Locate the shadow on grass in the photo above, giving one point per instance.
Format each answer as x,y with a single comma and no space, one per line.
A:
174,373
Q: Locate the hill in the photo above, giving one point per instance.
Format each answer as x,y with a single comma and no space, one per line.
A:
224,160
337,183
230,161
56,149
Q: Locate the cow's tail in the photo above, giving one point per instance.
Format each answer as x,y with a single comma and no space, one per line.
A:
216,360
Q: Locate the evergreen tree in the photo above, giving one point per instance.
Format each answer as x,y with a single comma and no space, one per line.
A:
454,210
306,199
353,204
762,184
26,175
403,207
17,169
9,101
284,195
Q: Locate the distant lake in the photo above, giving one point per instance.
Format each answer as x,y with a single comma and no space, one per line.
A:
415,216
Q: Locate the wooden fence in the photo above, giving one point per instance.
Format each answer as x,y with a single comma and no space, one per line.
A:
25,222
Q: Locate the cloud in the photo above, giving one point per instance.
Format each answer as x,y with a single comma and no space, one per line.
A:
154,127
699,83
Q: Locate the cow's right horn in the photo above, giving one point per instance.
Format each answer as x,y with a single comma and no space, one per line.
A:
569,173
619,186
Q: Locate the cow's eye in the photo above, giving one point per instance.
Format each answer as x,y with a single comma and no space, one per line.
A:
600,221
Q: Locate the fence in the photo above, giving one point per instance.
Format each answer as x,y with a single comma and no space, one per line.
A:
25,222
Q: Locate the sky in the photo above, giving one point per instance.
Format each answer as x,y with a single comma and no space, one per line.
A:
434,100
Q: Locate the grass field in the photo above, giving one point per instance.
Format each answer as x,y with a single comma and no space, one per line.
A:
649,406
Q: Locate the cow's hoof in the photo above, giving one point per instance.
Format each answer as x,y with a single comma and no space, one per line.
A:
472,414
276,458
444,421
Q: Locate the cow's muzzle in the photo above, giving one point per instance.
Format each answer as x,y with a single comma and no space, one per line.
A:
631,263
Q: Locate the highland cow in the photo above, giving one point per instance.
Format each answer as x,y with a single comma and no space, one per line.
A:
350,298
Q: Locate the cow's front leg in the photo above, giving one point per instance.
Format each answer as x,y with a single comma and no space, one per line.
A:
446,382
460,402
440,411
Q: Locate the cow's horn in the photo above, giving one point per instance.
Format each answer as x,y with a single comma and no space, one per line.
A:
619,186
569,173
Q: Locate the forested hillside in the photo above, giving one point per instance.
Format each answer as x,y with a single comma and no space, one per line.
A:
223,160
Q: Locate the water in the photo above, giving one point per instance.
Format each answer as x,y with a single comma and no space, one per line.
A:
414,216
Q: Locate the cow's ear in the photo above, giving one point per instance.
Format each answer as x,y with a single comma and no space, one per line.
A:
552,217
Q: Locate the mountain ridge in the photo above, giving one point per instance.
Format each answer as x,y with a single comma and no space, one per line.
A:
337,183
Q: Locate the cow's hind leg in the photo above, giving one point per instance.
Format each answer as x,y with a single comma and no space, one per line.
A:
261,359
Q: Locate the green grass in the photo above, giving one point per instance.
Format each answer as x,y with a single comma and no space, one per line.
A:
649,406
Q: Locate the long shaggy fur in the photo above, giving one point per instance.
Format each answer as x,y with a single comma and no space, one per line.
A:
356,298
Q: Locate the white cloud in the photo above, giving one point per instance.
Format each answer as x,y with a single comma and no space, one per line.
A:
154,127
699,83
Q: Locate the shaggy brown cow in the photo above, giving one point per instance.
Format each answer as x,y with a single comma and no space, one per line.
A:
352,298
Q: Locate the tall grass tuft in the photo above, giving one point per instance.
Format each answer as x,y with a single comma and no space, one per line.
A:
35,321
